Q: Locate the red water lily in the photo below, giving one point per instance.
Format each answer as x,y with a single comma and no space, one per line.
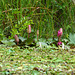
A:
60,43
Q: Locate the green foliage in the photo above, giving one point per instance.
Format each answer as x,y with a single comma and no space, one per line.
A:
47,16
22,39
72,39
1,34
8,42
26,61
21,27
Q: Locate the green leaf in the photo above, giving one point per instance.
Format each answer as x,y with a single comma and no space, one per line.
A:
72,39
29,41
8,42
35,72
22,39
41,44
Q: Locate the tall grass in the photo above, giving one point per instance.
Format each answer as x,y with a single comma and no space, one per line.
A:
48,15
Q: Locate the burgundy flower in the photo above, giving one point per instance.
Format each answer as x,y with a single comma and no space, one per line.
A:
60,43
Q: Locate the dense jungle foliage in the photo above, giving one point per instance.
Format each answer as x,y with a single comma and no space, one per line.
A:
29,41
